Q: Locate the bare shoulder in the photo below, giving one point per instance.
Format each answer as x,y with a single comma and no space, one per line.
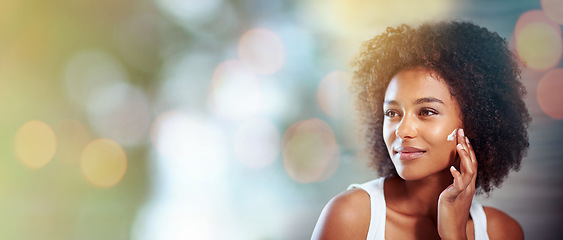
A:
345,216
502,226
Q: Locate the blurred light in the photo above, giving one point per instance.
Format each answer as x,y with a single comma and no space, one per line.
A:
103,162
257,143
366,12
539,46
355,21
538,40
549,94
277,101
533,16
35,144
105,97
553,9
236,91
262,50
168,133
89,75
193,148
73,137
310,151
190,199
332,94
191,11
125,120
175,220
185,77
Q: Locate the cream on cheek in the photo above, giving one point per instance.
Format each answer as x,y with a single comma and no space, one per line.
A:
452,136
437,135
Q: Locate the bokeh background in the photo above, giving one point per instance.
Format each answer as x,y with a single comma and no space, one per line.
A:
218,119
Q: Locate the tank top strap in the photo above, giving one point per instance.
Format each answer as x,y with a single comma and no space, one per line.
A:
374,189
479,220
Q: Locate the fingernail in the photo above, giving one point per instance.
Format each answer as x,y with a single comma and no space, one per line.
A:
461,133
467,140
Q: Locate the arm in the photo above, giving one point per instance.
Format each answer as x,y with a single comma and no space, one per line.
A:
346,216
501,226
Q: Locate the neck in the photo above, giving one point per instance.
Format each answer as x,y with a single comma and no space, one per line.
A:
421,196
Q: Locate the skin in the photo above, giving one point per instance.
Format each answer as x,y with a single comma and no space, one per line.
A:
432,195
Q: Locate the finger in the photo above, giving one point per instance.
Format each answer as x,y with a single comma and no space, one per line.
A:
465,165
463,140
473,157
469,171
457,186
460,141
457,176
456,136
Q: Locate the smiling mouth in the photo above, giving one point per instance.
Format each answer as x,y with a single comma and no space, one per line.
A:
409,153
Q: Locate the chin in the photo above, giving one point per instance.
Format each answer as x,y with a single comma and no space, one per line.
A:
410,174
413,173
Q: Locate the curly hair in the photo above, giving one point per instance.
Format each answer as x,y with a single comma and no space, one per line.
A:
483,76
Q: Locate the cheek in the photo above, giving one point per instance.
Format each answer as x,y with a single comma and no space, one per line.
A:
437,136
438,132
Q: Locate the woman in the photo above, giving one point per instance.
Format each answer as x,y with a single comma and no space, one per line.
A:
444,118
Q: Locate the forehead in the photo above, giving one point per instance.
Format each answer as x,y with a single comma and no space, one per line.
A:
415,84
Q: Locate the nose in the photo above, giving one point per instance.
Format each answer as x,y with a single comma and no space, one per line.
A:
407,128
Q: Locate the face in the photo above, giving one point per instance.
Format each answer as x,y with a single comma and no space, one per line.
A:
420,113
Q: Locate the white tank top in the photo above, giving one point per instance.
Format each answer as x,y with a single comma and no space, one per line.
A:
376,230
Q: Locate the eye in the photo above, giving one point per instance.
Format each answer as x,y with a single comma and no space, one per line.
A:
391,113
428,112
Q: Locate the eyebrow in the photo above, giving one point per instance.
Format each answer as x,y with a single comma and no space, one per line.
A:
417,101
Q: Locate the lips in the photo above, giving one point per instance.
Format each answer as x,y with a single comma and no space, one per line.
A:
409,153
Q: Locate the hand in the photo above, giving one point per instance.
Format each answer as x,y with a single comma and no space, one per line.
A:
455,200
